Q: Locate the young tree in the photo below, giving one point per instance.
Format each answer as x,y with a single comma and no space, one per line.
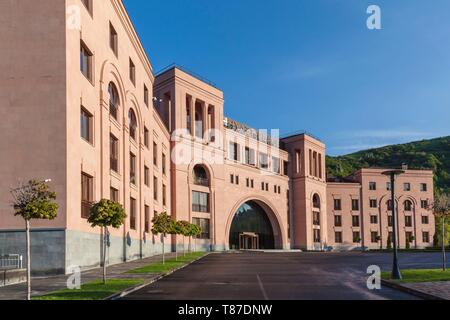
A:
389,243
379,239
162,225
176,229
33,200
194,232
441,209
106,213
184,226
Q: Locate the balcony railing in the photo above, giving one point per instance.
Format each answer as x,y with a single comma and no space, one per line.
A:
201,181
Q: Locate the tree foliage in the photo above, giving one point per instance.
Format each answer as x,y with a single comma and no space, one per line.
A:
162,224
35,200
107,213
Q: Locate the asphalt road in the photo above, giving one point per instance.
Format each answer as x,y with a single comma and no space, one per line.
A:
282,276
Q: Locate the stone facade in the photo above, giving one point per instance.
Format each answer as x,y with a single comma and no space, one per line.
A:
154,143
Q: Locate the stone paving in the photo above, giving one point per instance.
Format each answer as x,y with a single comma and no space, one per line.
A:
439,289
44,285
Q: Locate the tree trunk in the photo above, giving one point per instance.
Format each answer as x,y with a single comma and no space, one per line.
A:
184,248
189,246
444,264
163,260
176,250
28,260
105,237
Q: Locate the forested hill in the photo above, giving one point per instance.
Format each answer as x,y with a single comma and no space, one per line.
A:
426,154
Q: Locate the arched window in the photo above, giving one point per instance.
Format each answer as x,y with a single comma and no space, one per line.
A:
408,205
132,123
113,100
389,204
200,176
316,201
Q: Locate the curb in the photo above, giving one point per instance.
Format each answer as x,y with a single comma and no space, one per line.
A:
126,292
414,292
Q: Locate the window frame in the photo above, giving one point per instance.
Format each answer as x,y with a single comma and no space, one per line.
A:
90,125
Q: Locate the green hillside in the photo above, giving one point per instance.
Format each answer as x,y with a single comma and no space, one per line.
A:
427,154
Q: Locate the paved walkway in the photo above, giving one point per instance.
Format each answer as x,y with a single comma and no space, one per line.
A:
440,289
44,285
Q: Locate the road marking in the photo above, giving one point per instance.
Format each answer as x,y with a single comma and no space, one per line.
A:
262,288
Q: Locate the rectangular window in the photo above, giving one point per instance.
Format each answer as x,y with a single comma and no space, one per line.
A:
132,72
87,194
285,168
338,237
204,226
267,187
356,237
163,164
373,203
408,221
146,100
86,125
275,189
86,58
276,165
374,237
155,188
146,176
338,221
133,169
114,153
164,195
279,190
200,202
423,187
114,194
146,137
355,221
132,214
113,40
263,161
425,220
406,187
374,219
355,204
252,183
263,186
233,151
155,154
232,178
147,219
237,180
424,204
250,156
337,204
425,237
317,235
390,221
372,186
316,218
247,182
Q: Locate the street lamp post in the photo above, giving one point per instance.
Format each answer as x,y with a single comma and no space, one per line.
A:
395,268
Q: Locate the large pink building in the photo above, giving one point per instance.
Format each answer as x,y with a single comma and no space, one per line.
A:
83,107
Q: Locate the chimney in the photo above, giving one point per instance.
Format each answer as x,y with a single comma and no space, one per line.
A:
404,166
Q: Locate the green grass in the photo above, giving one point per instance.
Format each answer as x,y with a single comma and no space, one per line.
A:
95,290
170,264
422,275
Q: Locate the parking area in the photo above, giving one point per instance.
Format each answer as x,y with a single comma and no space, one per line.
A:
276,276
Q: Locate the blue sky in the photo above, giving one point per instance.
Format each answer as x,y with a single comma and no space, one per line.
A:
313,64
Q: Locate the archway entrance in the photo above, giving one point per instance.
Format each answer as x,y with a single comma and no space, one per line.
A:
251,228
